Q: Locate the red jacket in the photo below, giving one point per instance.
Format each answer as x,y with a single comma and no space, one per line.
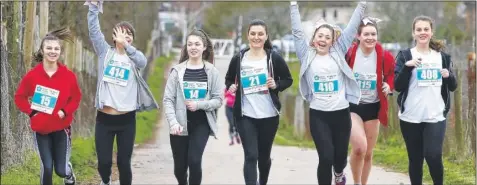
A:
388,73
68,99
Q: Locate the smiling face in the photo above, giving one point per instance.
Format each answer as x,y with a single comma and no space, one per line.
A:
195,46
368,36
323,40
257,35
51,50
422,31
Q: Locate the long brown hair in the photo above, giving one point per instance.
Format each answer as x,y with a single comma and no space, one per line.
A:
61,34
434,44
207,55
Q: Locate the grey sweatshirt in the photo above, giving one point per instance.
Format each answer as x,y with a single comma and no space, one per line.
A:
174,101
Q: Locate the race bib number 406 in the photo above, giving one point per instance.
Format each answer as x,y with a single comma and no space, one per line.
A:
366,82
254,80
195,91
325,85
44,99
117,72
429,74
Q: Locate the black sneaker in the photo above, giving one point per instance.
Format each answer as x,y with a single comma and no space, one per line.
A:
71,180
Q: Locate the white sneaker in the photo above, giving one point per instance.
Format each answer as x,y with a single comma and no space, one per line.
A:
72,179
109,183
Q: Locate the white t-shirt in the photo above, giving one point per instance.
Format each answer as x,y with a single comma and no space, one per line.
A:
259,104
326,80
365,73
122,98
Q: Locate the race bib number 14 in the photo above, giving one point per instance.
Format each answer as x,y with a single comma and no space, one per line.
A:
44,99
195,91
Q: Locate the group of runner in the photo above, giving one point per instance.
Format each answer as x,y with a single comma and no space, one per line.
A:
346,84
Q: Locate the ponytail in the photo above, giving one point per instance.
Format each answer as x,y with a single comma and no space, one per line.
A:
437,45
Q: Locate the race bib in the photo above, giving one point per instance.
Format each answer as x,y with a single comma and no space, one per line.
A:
325,86
254,80
117,72
44,99
195,91
366,82
429,74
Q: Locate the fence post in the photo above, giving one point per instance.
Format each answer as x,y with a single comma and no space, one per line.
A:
28,34
471,93
458,111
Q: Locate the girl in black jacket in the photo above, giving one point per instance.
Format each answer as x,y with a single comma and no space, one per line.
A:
256,75
424,78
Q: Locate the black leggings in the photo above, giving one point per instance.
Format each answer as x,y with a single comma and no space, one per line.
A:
257,139
123,127
54,149
187,151
330,132
424,141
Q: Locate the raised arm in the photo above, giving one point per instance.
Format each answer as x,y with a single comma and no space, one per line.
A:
95,35
349,33
298,33
136,56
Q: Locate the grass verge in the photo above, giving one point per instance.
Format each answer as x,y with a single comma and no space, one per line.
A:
83,156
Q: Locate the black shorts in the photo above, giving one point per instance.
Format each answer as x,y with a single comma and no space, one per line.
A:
368,111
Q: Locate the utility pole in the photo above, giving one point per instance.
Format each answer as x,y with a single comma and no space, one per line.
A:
184,24
238,34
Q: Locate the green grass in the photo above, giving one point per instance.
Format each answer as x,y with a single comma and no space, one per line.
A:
83,156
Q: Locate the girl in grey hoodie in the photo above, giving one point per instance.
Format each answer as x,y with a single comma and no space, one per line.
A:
192,96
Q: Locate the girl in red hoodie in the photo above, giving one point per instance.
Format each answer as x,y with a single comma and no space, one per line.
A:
374,71
55,96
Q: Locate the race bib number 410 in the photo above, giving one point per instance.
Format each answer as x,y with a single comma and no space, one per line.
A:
325,86
429,74
117,72
366,82
254,80
44,99
195,91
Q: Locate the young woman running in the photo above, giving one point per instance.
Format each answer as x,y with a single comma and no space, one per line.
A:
328,84
55,96
192,96
373,68
120,93
424,80
256,75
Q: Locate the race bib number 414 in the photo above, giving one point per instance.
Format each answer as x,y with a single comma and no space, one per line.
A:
117,72
325,85
195,91
44,99
254,80
429,74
